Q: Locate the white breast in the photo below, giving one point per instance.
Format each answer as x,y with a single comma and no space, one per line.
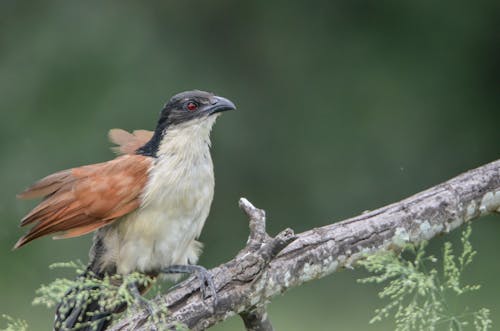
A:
176,203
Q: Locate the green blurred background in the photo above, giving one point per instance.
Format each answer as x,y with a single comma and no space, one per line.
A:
343,106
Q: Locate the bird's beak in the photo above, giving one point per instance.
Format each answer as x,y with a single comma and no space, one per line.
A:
220,104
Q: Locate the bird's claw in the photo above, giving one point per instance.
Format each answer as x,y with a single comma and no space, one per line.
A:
140,300
207,285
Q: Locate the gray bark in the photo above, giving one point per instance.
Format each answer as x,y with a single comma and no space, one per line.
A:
269,266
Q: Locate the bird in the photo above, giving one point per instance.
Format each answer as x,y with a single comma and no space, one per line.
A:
146,207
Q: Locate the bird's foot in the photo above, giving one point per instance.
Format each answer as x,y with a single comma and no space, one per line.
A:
140,300
207,286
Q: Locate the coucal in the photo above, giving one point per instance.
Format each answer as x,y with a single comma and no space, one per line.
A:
146,206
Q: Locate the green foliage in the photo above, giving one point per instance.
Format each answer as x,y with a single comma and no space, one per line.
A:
14,324
113,294
50,295
419,296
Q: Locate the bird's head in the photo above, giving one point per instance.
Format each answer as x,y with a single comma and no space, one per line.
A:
194,110
190,105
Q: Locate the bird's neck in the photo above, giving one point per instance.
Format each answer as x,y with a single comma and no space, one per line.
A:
187,140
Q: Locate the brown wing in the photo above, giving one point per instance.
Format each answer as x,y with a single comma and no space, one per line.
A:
80,200
128,142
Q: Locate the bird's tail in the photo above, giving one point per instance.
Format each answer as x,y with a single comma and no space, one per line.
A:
86,306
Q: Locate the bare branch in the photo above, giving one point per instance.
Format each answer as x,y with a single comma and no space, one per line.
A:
268,267
257,220
262,245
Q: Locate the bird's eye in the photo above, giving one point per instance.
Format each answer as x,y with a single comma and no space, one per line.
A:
191,106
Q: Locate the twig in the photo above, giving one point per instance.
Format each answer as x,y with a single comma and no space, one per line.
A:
259,243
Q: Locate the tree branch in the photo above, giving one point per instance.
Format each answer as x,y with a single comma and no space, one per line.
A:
269,266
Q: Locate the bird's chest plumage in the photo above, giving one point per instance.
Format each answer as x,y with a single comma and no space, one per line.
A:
175,204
